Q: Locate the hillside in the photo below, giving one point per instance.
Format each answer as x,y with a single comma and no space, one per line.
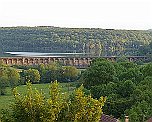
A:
89,40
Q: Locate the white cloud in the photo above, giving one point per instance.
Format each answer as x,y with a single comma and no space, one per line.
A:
124,14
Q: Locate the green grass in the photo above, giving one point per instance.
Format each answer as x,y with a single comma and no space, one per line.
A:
6,100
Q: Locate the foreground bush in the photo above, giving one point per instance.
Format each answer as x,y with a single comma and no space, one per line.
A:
34,107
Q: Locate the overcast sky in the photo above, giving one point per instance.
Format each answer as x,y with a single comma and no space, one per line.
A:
116,14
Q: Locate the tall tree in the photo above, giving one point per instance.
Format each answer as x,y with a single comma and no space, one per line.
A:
100,72
13,77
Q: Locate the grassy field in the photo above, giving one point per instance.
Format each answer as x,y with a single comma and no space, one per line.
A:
6,100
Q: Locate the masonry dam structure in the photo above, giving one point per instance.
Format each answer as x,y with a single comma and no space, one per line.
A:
79,62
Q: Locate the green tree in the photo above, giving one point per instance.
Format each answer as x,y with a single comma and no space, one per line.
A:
128,64
70,72
147,70
55,104
53,71
3,80
125,88
132,74
13,77
3,84
118,96
50,72
28,108
84,108
43,72
100,72
140,112
32,75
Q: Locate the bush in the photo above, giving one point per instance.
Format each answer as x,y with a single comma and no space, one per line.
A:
34,107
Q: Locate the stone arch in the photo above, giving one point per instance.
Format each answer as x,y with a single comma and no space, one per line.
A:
10,61
76,62
26,61
51,60
85,61
36,61
41,61
5,61
61,61
46,61
15,61
20,61
31,61
67,62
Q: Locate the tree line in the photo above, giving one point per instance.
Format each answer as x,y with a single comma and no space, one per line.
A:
90,40
19,75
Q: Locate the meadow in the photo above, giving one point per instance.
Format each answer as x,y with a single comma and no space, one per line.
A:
6,100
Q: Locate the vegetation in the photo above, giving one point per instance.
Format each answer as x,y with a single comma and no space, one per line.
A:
126,85
34,107
32,75
49,72
70,73
8,77
90,40
146,49
100,72
7,99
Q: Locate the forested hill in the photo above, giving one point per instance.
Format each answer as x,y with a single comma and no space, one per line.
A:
55,39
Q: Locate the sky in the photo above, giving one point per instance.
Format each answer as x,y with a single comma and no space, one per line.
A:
106,14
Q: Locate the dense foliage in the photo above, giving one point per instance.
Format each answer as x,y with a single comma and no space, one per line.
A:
100,72
19,75
34,107
126,85
146,49
8,77
90,40
49,72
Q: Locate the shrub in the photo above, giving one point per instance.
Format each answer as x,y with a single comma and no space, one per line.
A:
34,107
